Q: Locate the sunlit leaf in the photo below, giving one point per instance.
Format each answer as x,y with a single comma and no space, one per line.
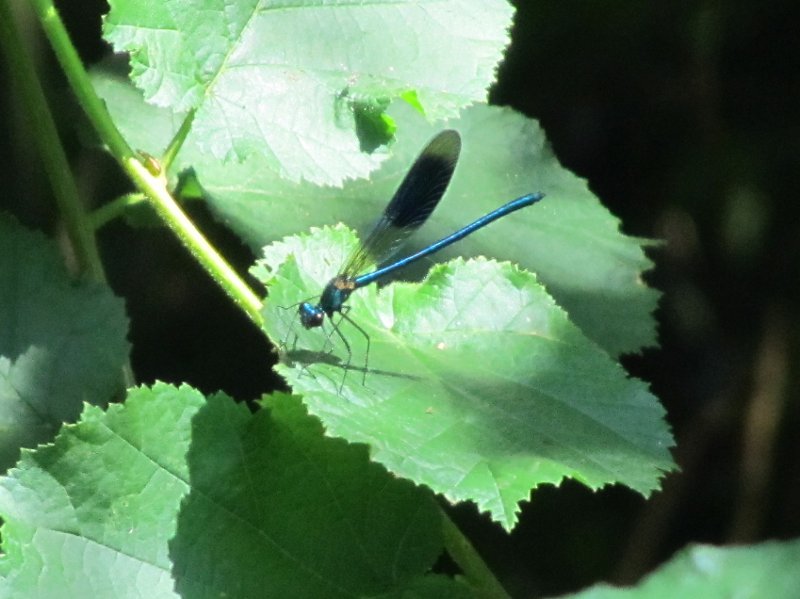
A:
570,240
270,508
90,515
274,78
476,383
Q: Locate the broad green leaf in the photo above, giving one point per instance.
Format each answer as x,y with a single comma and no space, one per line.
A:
570,240
277,510
62,343
288,79
706,572
90,515
476,383
434,586
270,508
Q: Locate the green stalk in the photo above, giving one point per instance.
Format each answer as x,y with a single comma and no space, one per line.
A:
54,160
154,188
166,207
177,142
77,221
110,211
471,563
79,81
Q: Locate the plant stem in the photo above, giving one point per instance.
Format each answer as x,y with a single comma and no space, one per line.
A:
177,142
76,221
471,563
108,212
79,81
215,265
154,188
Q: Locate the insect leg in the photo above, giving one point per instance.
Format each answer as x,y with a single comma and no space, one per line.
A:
347,347
345,310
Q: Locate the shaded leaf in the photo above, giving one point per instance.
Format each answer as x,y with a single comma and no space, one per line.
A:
706,572
62,343
277,510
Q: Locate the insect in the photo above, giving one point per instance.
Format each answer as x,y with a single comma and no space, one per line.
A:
412,204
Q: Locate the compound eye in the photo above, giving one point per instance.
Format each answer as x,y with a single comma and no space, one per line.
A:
310,316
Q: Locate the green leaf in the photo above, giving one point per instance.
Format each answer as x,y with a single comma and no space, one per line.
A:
277,510
570,240
61,343
433,586
706,572
265,77
477,384
90,515
375,127
146,127
270,508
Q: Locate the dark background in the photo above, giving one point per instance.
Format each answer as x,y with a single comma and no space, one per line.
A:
685,119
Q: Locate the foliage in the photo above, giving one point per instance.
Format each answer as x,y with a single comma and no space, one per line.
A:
249,69
471,386
767,569
172,488
61,343
479,384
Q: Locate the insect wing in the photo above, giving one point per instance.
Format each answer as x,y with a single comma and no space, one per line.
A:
412,204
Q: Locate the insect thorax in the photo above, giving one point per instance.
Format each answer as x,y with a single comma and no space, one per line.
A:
336,293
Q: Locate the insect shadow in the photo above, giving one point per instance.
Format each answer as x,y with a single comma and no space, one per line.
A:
305,358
